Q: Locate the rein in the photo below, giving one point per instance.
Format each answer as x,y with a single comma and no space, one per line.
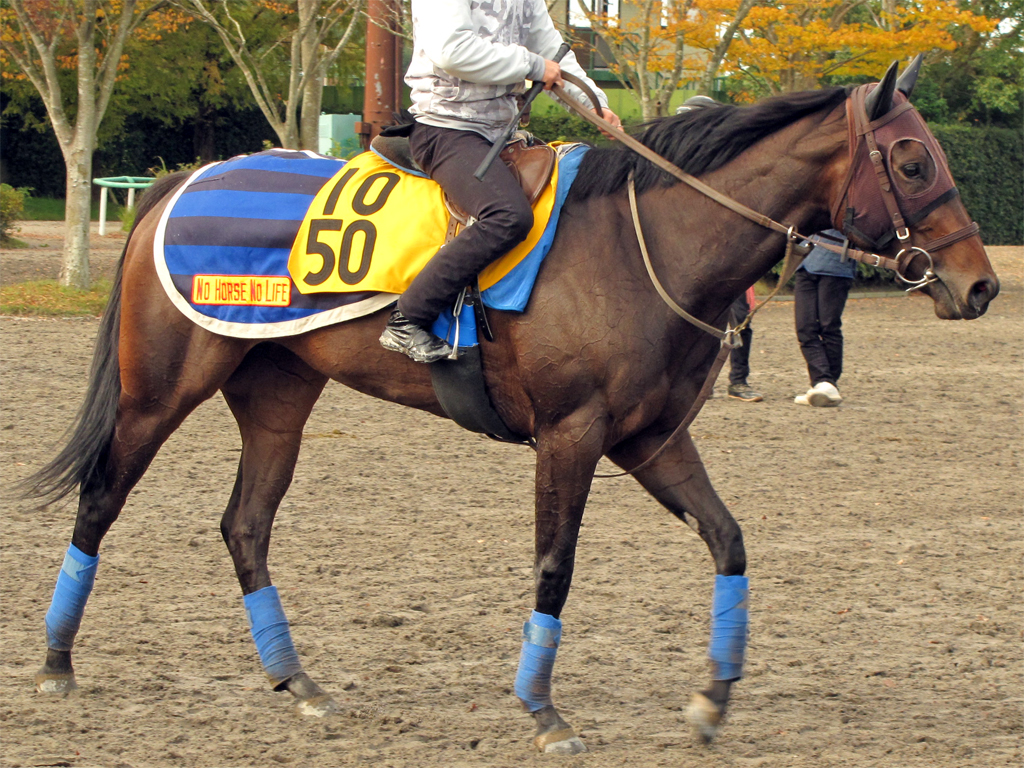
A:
858,130
729,337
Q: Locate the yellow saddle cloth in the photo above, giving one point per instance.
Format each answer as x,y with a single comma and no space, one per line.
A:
373,227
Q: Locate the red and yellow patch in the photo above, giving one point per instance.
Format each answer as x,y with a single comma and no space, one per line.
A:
242,290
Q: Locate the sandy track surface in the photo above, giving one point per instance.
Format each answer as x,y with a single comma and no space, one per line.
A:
883,537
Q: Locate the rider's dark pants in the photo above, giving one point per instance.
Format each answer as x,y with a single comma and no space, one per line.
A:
819,303
501,209
739,357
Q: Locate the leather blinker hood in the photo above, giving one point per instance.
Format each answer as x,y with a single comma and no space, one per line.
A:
864,215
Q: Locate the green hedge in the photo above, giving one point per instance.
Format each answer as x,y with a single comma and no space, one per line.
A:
12,210
561,126
988,167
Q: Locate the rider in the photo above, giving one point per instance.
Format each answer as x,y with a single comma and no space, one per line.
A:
469,61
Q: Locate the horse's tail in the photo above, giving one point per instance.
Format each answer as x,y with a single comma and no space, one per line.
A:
83,460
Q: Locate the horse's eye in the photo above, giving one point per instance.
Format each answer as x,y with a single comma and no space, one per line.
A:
911,170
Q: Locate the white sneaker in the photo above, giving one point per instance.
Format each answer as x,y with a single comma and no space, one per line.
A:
801,400
824,395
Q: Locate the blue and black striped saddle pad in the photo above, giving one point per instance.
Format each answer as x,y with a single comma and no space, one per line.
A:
224,240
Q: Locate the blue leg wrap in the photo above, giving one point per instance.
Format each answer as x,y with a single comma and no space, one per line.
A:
74,583
729,626
541,636
270,632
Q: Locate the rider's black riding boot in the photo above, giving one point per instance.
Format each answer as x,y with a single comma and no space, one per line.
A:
414,341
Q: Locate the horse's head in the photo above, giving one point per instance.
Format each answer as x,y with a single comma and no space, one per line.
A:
899,200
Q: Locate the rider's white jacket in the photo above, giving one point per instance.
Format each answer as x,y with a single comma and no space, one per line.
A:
470,58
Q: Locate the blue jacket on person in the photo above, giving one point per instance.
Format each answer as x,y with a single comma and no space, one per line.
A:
821,261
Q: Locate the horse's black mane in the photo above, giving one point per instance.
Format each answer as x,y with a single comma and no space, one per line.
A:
698,141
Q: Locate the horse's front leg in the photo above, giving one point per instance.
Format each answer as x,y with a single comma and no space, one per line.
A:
678,480
567,454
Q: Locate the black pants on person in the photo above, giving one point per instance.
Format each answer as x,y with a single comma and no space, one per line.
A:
499,205
739,357
819,303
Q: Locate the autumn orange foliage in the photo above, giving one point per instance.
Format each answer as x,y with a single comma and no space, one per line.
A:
794,45
58,20
779,46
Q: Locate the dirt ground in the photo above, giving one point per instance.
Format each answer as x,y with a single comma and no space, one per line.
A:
883,538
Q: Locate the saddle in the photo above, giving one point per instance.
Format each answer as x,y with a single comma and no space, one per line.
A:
530,161
459,384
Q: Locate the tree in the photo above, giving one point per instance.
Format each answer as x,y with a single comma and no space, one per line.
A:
206,84
284,50
982,79
57,44
658,44
797,44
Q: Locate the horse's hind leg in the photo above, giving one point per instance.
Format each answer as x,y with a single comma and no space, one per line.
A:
151,404
678,480
271,396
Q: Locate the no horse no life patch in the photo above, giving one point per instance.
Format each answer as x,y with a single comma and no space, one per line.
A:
241,290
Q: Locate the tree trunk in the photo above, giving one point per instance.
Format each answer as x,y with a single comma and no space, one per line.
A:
718,55
312,99
290,136
74,271
204,138
312,89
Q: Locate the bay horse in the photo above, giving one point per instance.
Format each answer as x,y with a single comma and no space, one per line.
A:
596,366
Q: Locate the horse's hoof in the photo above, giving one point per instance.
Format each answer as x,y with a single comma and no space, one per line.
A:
560,742
317,706
55,683
705,716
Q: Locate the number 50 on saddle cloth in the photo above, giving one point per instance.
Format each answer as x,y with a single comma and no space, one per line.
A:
282,242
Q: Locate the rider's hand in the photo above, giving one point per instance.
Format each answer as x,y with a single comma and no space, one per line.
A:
610,117
552,74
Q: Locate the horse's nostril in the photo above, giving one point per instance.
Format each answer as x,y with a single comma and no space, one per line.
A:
982,292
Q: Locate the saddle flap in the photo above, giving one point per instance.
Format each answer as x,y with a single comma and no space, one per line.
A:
395,149
531,164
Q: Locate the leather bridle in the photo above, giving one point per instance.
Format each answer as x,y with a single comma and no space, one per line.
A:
863,140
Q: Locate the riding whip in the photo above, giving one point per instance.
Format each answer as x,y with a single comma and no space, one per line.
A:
499,143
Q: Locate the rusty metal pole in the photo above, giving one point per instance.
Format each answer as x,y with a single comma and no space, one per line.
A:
382,93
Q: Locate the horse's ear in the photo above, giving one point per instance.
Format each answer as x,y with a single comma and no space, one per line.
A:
879,101
908,79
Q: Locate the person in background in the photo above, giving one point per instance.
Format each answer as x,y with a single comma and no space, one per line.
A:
823,283
739,357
